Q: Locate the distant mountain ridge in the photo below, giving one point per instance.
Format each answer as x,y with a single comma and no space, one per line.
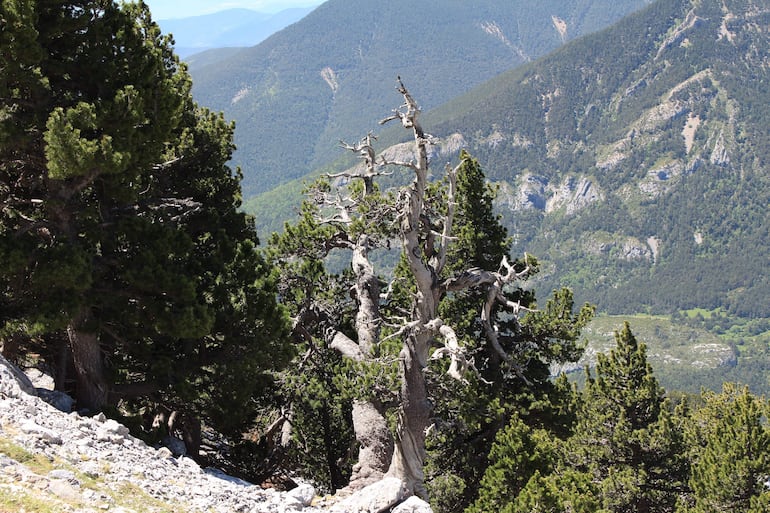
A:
632,162
325,78
227,28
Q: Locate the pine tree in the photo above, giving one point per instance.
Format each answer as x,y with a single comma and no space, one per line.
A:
728,441
518,454
390,333
499,389
627,438
120,220
626,453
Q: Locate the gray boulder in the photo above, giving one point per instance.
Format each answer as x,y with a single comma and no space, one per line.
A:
413,505
13,382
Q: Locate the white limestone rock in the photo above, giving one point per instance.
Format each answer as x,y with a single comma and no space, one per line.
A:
376,498
13,382
31,428
304,493
413,505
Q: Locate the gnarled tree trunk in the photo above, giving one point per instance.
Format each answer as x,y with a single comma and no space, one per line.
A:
369,423
91,391
425,251
415,410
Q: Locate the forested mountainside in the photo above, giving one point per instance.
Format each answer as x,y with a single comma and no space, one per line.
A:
636,160
633,161
328,76
132,280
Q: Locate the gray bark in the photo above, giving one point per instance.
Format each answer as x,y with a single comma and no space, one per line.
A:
375,444
414,409
369,423
426,253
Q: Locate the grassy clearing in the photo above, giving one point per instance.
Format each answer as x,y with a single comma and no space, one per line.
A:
692,350
37,463
24,501
668,343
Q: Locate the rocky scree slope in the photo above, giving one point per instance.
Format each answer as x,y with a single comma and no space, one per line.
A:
64,462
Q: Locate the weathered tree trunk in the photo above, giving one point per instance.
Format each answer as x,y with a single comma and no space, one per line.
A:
61,365
413,421
415,410
425,250
367,294
369,423
375,444
91,385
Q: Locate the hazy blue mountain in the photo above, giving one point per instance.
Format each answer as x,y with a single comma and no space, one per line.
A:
229,28
328,76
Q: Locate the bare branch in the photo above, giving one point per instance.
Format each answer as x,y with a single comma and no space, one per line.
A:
489,329
346,347
184,207
352,174
510,273
404,328
449,219
164,165
398,163
364,147
471,278
458,365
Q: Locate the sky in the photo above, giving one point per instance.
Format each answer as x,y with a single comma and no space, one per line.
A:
168,9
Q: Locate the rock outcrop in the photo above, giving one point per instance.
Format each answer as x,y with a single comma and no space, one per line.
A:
72,463
88,464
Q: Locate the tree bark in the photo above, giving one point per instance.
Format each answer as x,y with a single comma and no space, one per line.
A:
91,385
369,423
375,444
414,413
424,246
413,421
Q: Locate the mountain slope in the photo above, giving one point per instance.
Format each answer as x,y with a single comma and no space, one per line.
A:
635,160
326,77
55,461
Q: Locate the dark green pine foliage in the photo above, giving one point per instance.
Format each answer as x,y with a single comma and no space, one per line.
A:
728,440
112,93
215,375
472,414
120,220
627,438
314,389
24,99
518,454
481,239
626,453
